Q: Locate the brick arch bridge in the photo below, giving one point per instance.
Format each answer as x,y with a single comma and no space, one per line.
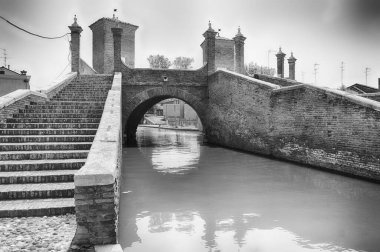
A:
142,88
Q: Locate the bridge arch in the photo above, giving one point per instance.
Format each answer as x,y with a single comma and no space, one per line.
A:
135,109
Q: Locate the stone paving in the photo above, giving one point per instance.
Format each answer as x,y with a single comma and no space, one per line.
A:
37,233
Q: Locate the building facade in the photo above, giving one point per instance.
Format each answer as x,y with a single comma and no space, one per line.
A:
11,81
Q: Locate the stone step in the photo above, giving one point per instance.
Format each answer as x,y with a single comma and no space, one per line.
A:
69,99
80,98
53,120
56,115
43,154
76,103
45,146
63,111
89,90
36,191
49,126
36,207
57,106
26,177
40,165
84,131
44,138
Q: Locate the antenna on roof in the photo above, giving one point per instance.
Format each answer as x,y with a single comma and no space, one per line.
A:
114,13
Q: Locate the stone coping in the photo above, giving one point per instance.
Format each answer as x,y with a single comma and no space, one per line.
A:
250,79
336,93
369,94
60,82
17,95
101,165
275,78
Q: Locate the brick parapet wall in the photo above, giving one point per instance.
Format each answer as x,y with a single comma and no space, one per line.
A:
97,182
12,102
302,123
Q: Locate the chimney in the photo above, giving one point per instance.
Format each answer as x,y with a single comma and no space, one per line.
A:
23,72
9,67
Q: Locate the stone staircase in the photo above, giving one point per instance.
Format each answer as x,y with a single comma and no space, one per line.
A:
43,145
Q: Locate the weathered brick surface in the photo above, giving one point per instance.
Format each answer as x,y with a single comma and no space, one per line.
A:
239,113
320,128
224,53
142,88
303,124
102,41
16,106
96,214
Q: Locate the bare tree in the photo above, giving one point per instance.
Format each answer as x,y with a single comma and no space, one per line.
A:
183,62
159,61
253,68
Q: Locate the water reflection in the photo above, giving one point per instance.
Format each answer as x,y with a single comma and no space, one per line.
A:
232,201
174,152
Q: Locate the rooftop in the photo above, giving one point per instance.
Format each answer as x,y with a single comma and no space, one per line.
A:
113,20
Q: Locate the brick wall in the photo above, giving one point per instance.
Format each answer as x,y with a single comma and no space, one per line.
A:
326,129
102,40
239,112
7,111
302,123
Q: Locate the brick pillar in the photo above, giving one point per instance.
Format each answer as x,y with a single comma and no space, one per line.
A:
292,67
210,35
75,45
280,63
239,52
117,32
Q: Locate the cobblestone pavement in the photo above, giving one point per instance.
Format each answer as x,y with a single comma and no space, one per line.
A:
37,233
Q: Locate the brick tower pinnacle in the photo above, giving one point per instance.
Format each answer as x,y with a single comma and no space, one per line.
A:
75,45
239,52
280,63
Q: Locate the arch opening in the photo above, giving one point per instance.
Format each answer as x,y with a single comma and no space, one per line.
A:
139,114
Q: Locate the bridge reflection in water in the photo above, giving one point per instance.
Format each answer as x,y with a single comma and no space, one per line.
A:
180,195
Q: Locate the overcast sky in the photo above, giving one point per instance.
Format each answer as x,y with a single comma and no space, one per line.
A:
326,32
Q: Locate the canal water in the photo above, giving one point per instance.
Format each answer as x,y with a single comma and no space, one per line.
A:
179,195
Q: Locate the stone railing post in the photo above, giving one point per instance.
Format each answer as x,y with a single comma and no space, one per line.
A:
239,52
280,63
117,32
210,35
75,45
